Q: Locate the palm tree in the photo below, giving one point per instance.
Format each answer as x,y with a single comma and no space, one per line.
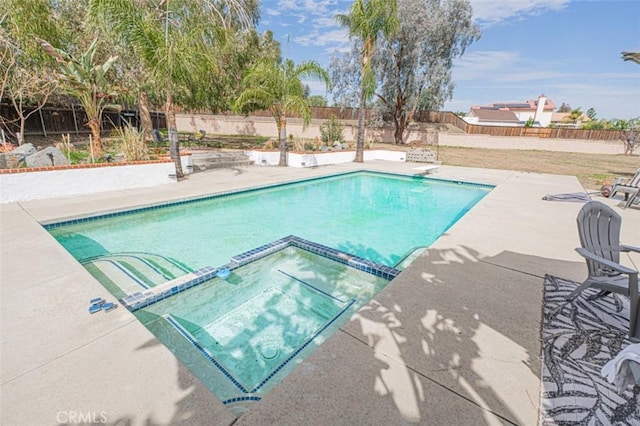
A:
368,20
277,87
175,42
575,115
631,56
87,82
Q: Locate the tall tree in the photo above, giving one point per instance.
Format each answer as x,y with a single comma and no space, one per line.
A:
414,64
176,43
345,71
237,52
317,101
25,68
87,81
368,20
278,87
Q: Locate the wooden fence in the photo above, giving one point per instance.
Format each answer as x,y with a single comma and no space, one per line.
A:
521,131
60,120
52,120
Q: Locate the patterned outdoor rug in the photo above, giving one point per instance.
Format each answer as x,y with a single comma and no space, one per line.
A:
578,338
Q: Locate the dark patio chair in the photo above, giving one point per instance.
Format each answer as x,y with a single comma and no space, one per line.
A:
197,139
157,137
599,229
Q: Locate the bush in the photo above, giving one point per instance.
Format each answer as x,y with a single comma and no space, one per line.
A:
132,144
331,131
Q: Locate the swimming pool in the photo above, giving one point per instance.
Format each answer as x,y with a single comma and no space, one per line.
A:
378,216
285,296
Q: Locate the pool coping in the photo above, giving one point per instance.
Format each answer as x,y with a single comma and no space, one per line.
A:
54,353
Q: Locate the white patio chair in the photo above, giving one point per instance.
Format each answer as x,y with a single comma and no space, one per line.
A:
599,229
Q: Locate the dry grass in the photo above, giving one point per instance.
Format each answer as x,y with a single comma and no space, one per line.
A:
592,170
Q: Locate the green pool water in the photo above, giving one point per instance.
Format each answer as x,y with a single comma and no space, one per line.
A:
381,217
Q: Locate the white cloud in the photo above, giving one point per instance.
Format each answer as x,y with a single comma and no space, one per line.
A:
309,7
326,22
315,38
488,12
506,67
485,64
272,12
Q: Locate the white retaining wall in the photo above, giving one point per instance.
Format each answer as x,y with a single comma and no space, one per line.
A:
271,158
35,185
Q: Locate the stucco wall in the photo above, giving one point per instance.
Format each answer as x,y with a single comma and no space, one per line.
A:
271,158
65,181
266,126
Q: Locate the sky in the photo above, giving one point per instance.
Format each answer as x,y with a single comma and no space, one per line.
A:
568,50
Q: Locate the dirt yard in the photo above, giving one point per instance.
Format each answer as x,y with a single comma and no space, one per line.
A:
592,170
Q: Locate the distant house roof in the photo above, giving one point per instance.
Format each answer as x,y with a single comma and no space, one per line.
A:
530,105
511,106
493,115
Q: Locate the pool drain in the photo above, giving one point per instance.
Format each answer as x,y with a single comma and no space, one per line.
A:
269,352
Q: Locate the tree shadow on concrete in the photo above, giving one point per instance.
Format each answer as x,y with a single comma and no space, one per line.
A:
467,324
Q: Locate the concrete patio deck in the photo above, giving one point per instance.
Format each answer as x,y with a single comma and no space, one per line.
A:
455,339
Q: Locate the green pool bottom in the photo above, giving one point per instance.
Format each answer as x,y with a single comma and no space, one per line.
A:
242,335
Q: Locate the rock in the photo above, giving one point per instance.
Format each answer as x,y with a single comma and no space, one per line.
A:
24,150
47,157
14,158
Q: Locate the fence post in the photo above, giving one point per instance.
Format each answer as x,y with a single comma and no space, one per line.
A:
75,121
44,130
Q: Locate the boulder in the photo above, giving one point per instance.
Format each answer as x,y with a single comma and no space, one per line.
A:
47,157
24,150
14,158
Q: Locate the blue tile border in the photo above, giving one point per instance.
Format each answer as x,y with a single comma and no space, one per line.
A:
60,224
139,300
311,286
205,352
241,399
343,257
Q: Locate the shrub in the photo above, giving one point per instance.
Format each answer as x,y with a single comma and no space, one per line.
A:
132,144
331,131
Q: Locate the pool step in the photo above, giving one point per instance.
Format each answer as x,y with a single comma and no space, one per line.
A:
206,160
411,255
136,271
